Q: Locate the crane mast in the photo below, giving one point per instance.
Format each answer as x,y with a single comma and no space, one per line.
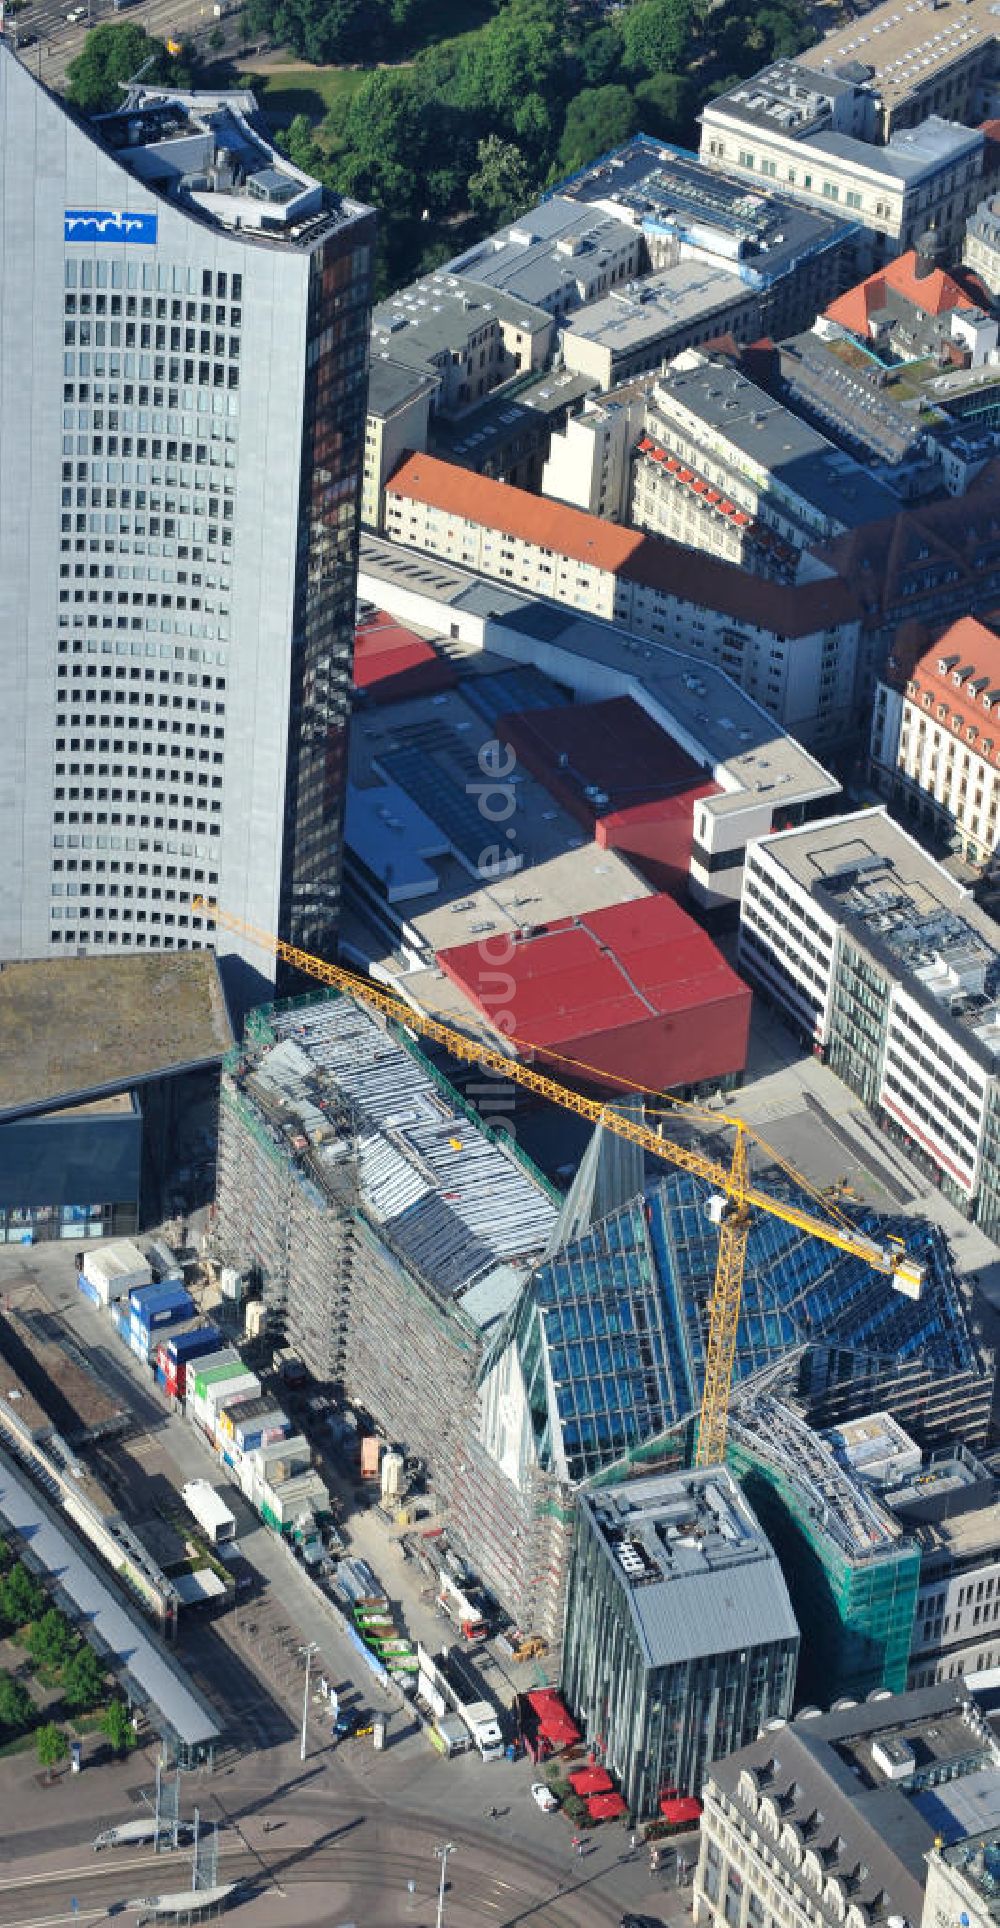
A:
733,1200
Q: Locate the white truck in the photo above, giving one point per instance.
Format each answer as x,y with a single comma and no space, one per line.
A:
210,1510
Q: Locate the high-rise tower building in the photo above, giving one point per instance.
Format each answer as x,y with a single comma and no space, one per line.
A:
183,340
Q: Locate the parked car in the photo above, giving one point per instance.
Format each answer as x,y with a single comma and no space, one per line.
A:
544,1797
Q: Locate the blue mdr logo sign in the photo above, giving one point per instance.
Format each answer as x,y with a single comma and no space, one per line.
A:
109,224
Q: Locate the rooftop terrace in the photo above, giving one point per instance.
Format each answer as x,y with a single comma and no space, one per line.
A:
205,150
673,1540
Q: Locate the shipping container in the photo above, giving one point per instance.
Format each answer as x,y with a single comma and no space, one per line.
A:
195,1342
161,1305
213,1366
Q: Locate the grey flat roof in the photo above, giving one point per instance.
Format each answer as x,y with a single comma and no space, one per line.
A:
698,1574
668,190
694,702
656,305
56,1548
75,1026
798,456
437,315
910,152
927,932
391,384
525,260
787,98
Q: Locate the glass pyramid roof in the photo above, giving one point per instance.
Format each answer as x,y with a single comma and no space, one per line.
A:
611,1330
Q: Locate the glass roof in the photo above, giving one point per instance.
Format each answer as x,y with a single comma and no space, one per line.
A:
611,1330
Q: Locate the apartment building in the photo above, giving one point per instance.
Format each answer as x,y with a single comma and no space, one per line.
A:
183,345
829,1820
935,740
793,647
725,467
589,463
811,134
981,248
397,420
888,969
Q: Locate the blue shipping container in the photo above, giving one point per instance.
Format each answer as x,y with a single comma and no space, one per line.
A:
89,1291
194,1344
159,1300
140,1293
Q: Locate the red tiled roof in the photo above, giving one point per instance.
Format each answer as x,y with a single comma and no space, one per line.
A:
934,294
689,574
975,653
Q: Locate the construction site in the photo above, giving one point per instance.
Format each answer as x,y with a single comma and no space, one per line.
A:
524,1345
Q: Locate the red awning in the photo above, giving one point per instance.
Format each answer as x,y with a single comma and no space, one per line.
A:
591,1780
605,1807
553,1720
727,508
685,475
680,1808
645,445
740,516
700,487
714,496
673,464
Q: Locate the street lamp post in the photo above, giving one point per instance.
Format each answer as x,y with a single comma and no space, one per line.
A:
442,1855
308,1651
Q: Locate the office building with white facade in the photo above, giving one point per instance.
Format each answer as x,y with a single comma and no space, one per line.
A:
183,335
888,969
814,135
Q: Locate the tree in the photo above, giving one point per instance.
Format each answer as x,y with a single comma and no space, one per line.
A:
111,54
52,1745
116,1724
21,1597
655,35
501,183
51,1641
83,1680
600,56
598,119
16,1704
666,106
217,39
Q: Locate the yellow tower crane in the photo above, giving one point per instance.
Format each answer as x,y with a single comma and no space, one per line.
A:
734,1195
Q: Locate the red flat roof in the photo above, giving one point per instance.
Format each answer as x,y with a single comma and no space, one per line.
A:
611,746
391,662
602,971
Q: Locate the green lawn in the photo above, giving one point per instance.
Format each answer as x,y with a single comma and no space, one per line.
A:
311,92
